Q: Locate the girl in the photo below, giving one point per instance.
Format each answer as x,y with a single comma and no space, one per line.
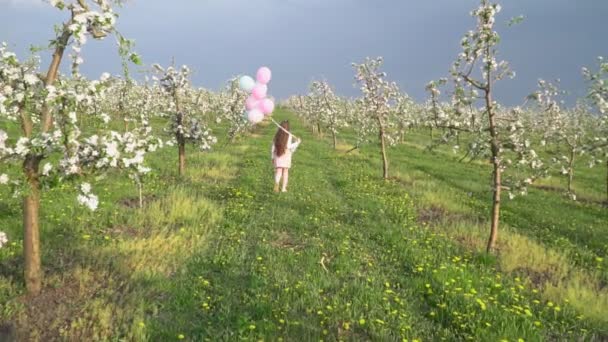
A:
282,148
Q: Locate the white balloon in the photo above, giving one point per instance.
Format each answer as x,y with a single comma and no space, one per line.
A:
255,116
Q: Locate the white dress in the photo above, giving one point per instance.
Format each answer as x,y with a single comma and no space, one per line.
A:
284,161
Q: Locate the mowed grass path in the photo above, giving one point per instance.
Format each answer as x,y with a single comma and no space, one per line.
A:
218,256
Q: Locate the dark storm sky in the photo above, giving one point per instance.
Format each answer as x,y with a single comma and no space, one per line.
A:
302,40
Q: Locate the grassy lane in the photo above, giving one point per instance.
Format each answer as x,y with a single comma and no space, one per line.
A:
341,257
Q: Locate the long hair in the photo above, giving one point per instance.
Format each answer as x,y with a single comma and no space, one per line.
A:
281,138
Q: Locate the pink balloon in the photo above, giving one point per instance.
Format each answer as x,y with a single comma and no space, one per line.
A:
264,75
255,116
267,106
251,103
259,91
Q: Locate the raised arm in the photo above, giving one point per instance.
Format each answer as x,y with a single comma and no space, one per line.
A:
294,145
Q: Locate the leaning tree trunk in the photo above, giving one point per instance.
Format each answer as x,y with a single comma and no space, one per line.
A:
495,204
496,162
31,227
31,201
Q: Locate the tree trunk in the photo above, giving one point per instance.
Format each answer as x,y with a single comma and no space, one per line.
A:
31,227
335,140
182,156
495,205
495,148
570,170
383,150
497,180
181,140
31,165
431,132
141,197
51,76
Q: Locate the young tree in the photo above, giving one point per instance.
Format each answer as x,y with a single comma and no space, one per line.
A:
404,114
565,131
378,97
231,108
598,94
46,109
185,127
499,135
326,106
35,102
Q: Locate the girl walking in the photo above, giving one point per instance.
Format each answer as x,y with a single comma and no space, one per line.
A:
283,146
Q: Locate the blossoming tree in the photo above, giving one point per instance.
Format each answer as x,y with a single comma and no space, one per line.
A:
500,135
598,94
327,107
231,108
378,97
185,125
565,131
47,108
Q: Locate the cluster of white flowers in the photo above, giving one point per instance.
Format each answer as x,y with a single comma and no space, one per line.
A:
378,100
70,101
322,109
598,93
3,239
86,198
184,125
116,150
327,107
567,131
230,106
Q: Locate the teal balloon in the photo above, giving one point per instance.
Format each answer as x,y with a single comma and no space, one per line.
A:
246,83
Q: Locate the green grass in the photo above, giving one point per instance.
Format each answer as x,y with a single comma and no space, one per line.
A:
342,256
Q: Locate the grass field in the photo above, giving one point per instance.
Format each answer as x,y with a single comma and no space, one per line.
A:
342,256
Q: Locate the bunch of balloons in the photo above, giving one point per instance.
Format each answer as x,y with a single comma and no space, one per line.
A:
257,104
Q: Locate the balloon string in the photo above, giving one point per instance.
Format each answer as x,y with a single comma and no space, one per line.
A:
283,129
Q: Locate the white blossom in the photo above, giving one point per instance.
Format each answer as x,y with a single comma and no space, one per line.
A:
3,239
46,169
